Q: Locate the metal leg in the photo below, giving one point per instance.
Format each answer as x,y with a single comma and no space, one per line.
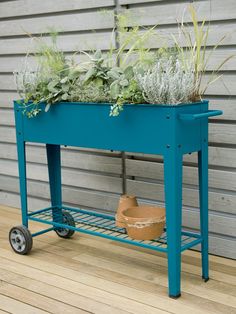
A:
173,200
54,172
203,197
23,181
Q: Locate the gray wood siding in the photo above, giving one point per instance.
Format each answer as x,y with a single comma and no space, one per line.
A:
92,178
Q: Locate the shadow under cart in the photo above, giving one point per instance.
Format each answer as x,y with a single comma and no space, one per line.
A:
170,131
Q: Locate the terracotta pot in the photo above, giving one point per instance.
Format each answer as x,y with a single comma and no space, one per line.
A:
125,202
144,222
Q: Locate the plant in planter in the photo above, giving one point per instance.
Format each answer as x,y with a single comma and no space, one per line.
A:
129,74
167,82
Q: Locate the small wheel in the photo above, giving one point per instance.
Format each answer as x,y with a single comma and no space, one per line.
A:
20,239
68,220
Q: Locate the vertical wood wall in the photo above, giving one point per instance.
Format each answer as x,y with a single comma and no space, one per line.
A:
93,179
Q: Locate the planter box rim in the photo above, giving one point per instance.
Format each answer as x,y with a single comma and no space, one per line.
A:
125,105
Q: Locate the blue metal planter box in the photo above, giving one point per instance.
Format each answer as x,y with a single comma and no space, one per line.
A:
171,131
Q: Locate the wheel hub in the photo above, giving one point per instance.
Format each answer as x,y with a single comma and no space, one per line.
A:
17,240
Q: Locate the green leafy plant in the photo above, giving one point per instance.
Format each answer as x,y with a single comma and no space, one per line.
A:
130,73
50,82
168,82
194,52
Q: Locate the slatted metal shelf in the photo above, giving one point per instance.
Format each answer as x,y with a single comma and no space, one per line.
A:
103,225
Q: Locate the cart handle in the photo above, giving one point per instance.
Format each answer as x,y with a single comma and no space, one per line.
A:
195,116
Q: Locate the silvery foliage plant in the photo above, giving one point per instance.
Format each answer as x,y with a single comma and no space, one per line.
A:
169,81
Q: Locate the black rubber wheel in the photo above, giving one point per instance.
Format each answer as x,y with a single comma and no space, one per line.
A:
21,240
68,220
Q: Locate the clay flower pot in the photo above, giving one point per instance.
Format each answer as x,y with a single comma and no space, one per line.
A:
125,202
144,222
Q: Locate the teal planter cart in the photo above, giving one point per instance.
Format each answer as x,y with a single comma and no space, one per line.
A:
171,131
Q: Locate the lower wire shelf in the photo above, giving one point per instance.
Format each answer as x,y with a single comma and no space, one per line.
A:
103,225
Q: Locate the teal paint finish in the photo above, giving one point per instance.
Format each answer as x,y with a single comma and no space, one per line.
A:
139,128
89,222
171,131
54,174
173,203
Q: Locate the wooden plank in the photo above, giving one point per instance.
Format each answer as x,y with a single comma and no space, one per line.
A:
125,2
219,224
79,197
69,177
227,104
218,200
217,35
219,56
12,63
7,134
190,262
91,287
62,23
225,85
13,199
218,156
7,82
74,42
6,99
222,133
7,117
69,43
13,306
145,297
73,157
70,158
36,300
110,262
29,7
116,303
43,289
120,265
161,13
154,170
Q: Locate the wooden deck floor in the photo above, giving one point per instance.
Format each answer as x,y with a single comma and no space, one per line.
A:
93,275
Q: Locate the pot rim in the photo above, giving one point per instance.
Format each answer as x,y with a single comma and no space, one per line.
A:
157,218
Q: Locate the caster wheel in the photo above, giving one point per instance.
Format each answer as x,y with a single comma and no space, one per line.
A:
21,240
64,232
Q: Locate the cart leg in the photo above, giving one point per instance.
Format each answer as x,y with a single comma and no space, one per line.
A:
23,181
173,200
54,172
203,197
